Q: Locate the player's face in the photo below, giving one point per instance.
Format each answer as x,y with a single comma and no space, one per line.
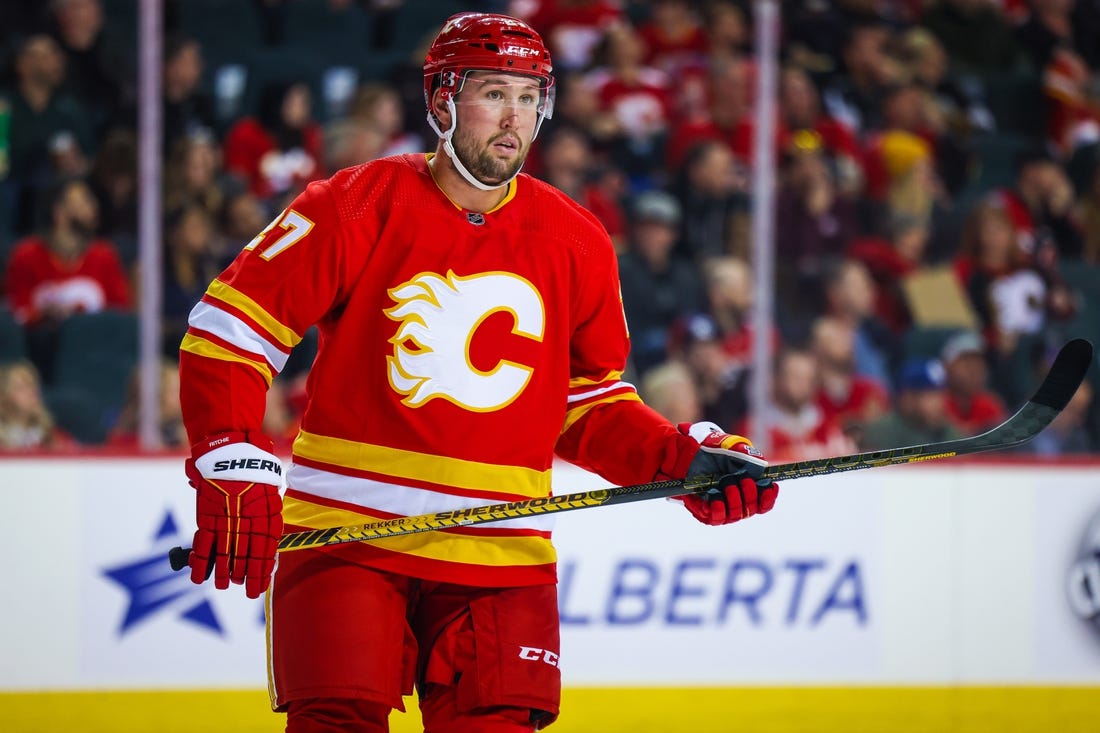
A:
497,115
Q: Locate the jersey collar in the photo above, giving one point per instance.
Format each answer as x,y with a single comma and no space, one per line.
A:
511,194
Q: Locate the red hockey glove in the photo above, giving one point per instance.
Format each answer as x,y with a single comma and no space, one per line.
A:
238,511
739,495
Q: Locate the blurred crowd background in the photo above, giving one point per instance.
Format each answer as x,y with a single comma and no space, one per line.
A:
937,196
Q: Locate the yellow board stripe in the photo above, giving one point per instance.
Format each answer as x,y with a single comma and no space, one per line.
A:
227,294
201,347
579,411
443,546
608,710
430,468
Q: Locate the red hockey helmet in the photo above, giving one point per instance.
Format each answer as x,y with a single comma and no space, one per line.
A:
484,41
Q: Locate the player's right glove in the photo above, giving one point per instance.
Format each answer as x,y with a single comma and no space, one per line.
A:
740,492
238,510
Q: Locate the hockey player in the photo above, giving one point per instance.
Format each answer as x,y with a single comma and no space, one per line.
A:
470,327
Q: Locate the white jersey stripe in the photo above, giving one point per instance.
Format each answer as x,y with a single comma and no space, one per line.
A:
232,329
406,501
588,394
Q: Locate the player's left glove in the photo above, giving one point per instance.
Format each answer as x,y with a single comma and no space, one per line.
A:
739,494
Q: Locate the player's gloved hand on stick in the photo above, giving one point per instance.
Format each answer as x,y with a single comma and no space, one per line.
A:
238,510
732,457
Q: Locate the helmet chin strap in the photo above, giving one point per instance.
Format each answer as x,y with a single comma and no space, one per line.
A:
449,149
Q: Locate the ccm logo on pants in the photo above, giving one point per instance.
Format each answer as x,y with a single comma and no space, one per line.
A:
534,654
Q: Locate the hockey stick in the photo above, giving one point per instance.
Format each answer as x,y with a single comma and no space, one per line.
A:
1060,384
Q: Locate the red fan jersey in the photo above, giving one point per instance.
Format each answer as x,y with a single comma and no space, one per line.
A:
458,351
39,283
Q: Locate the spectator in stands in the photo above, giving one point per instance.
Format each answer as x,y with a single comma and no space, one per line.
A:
909,108
850,298
66,270
1007,294
577,105
845,397
657,286
241,218
890,260
1068,433
816,33
101,68
126,434
114,183
349,141
568,163
912,188
727,29
277,152
673,36
572,28
975,35
42,117
731,295
25,421
814,223
713,106
853,98
1087,210
1054,24
378,106
797,428
188,110
920,412
192,259
638,97
1072,107
712,192
960,105
670,390
955,112
1040,207
721,381
972,407
800,110
193,173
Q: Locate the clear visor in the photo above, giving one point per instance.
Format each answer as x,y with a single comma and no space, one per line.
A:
498,90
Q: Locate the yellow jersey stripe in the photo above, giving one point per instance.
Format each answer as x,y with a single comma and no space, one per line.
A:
442,546
423,467
577,382
201,347
579,411
227,294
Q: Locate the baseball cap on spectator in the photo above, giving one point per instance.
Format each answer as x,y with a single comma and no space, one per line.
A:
964,342
700,327
691,329
657,206
921,374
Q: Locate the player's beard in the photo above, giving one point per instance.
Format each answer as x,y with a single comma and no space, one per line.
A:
482,164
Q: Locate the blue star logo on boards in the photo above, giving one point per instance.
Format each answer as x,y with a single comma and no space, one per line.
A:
154,587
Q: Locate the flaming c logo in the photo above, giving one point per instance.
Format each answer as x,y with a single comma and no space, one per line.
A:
439,315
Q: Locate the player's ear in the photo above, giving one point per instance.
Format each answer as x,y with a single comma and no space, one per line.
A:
441,109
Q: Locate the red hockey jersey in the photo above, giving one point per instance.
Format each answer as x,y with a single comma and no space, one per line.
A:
458,351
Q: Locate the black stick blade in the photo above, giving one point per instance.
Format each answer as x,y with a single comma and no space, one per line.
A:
1065,375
